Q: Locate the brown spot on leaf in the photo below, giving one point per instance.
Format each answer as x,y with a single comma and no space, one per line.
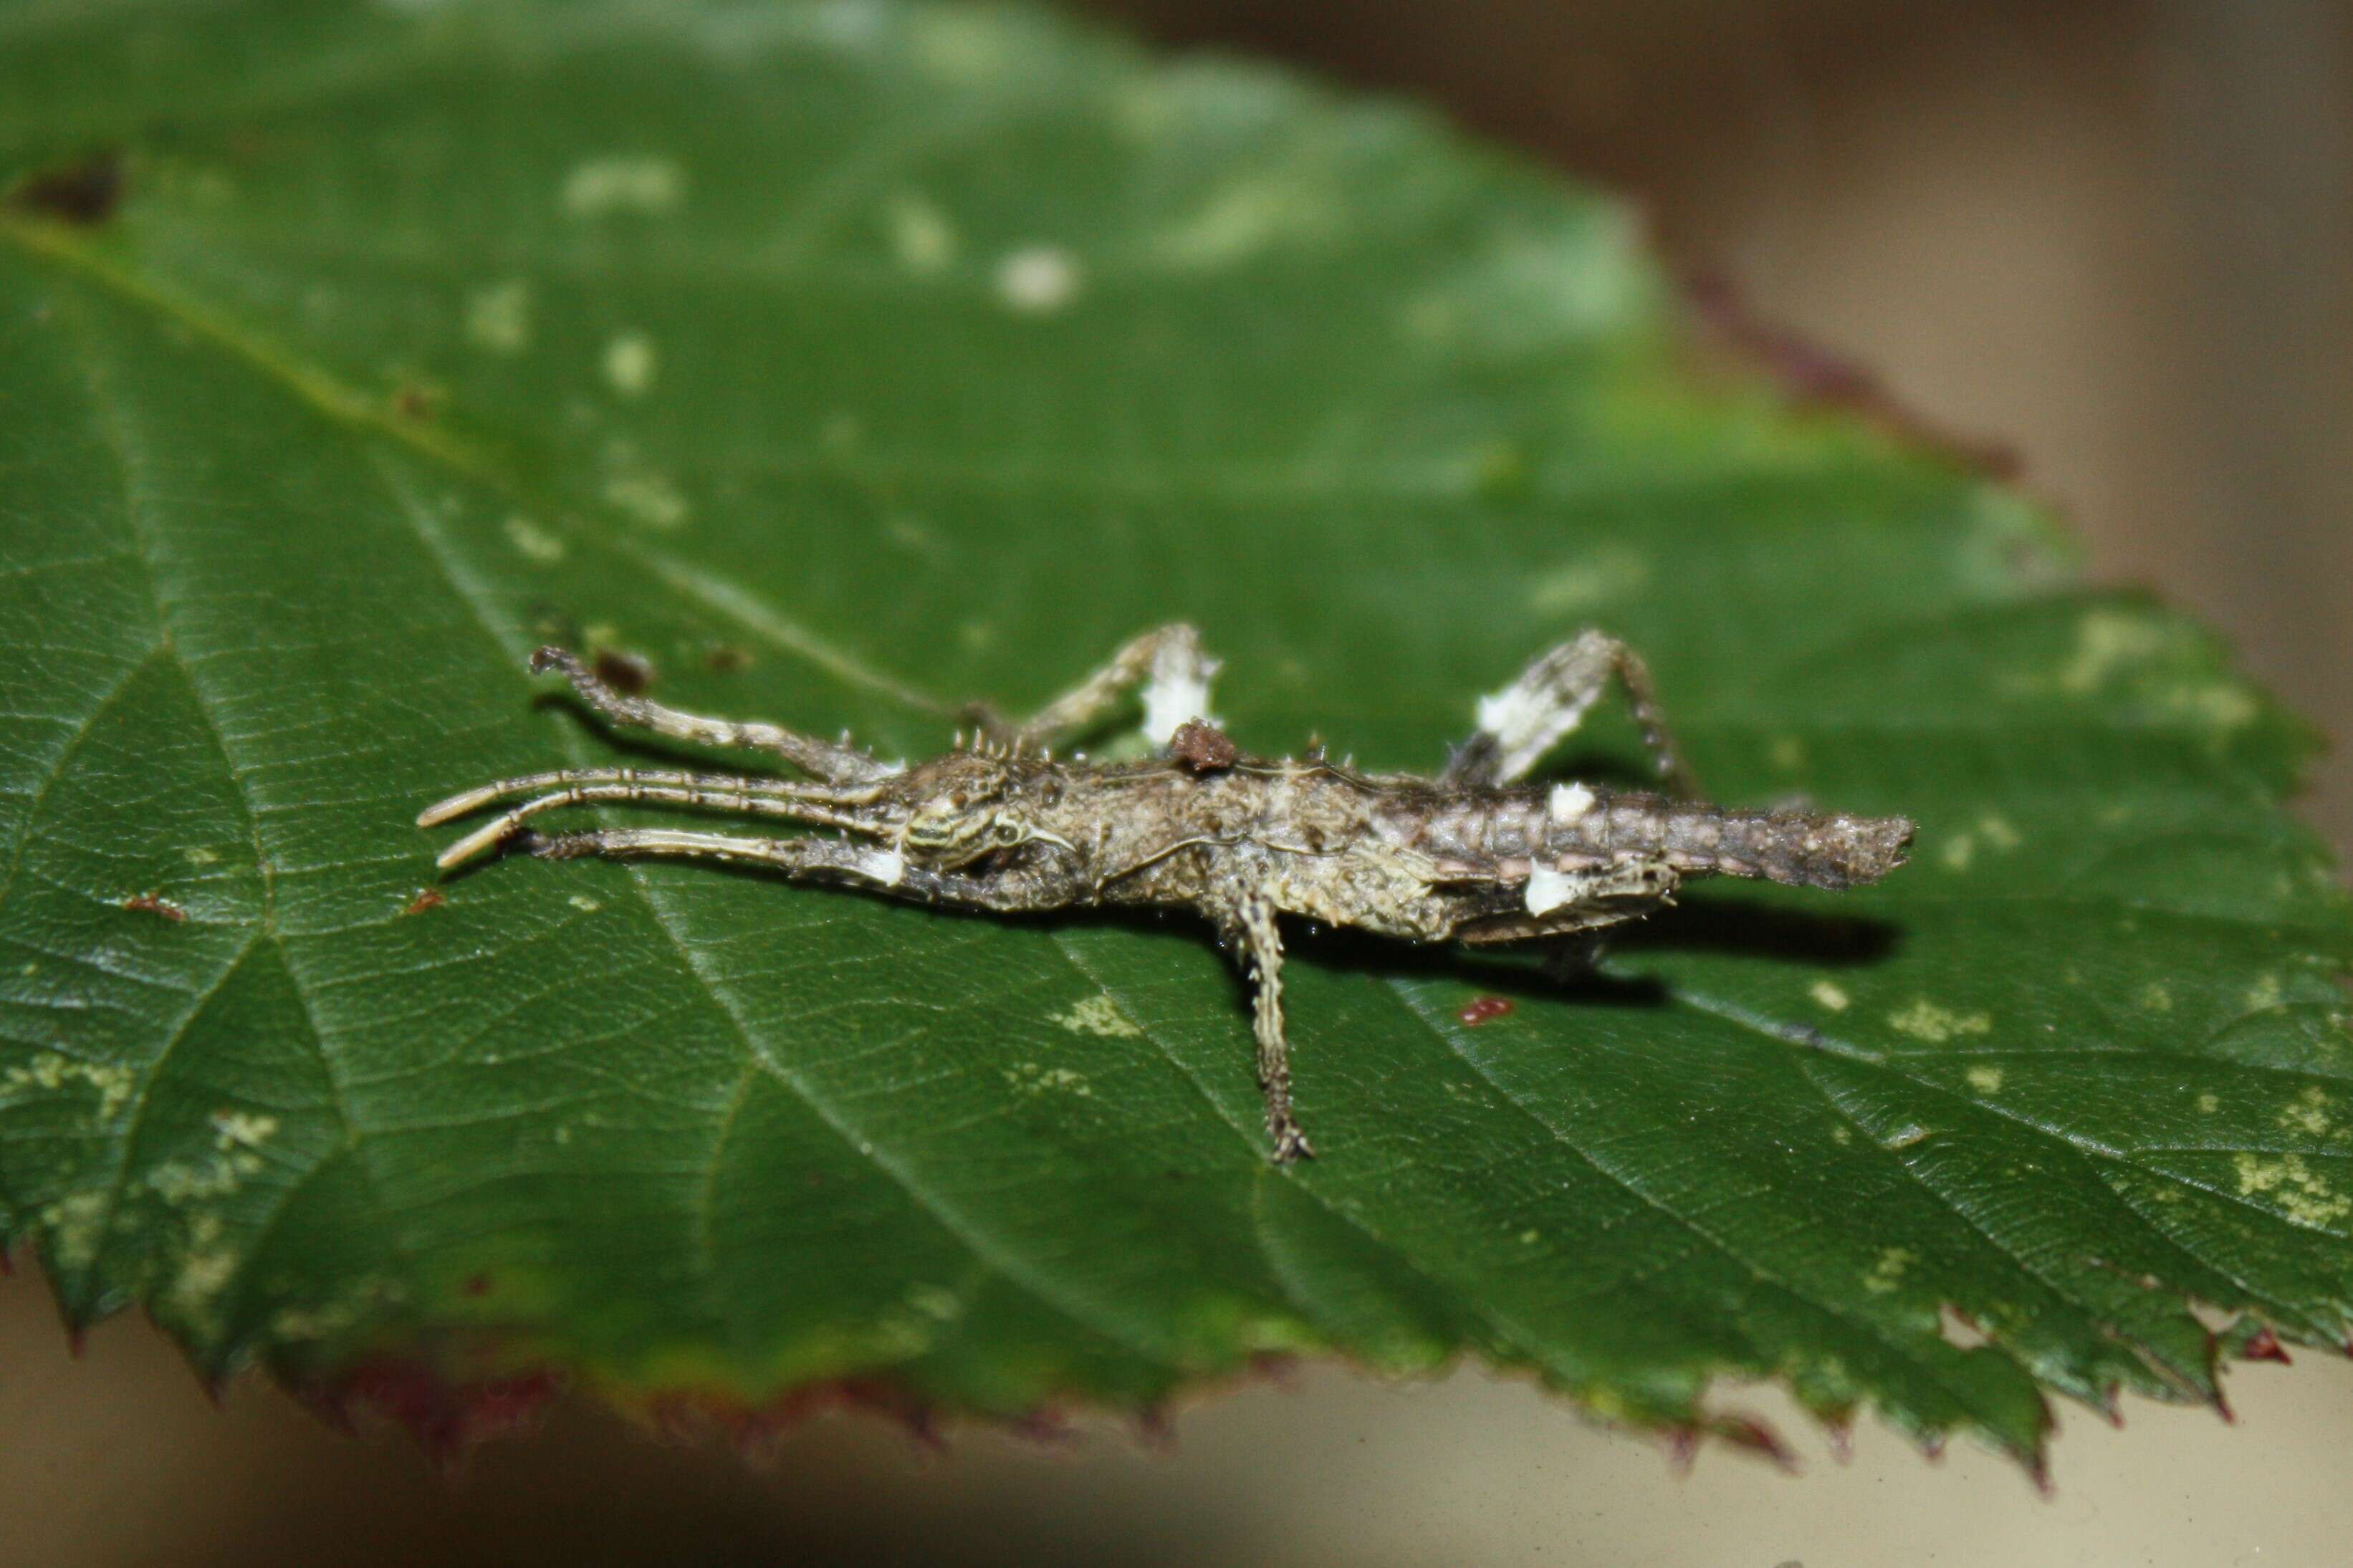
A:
418,403
725,658
1204,748
429,899
83,193
1479,1009
149,904
2264,1345
476,1285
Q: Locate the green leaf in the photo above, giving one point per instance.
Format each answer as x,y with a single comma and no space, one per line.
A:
848,361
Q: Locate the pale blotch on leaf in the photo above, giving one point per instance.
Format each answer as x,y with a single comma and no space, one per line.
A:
242,1129
2265,993
650,499
1028,1077
1992,830
1888,1273
961,49
1038,280
1249,217
1830,993
935,1302
2298,1191
180,1183
923,238
583,903
532,541
2155,997
2108,642
200,855
51,1071
206,1270
630,364
1985,1079
75,1223
2308,1113
1924,1020
498,318
1787,752
642,184
1605,576
2208,1103
1097,1016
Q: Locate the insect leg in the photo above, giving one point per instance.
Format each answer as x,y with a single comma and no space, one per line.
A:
468,802
813,859
1166,662
750,798
1520,723
819,759
1258,944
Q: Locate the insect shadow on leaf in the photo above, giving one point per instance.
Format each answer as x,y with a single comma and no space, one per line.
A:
1475,856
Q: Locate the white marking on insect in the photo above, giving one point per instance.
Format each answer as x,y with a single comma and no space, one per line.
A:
1568,802
1548,889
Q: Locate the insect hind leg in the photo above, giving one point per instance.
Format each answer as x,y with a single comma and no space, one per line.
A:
1527,719
1166,663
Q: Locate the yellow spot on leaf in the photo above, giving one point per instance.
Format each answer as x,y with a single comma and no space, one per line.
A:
499,318
2299,1192
630,364
1040,281
922,237
1605,576
649,498
1098,1015
602,187
1985,1079
242,1129
1888,1273
1028,1077
1927,1021
2308,1113
2106,642
1830,993
532,541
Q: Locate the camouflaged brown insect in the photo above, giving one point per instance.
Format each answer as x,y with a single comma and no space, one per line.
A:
1473,855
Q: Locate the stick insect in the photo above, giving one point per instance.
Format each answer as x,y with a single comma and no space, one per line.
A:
1474,855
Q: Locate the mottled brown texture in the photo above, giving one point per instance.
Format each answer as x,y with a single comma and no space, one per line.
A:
1476,857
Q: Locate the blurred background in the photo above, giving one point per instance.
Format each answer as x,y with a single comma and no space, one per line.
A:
2113,236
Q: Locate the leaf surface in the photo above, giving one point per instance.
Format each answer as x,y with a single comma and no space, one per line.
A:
850,361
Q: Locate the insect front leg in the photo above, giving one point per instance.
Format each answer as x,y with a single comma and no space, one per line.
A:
1249,931
1166,662
837,764
1527,719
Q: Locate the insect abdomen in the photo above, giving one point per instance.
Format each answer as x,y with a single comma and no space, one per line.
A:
1797,848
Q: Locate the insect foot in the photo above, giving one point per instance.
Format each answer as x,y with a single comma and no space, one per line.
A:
1476,855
